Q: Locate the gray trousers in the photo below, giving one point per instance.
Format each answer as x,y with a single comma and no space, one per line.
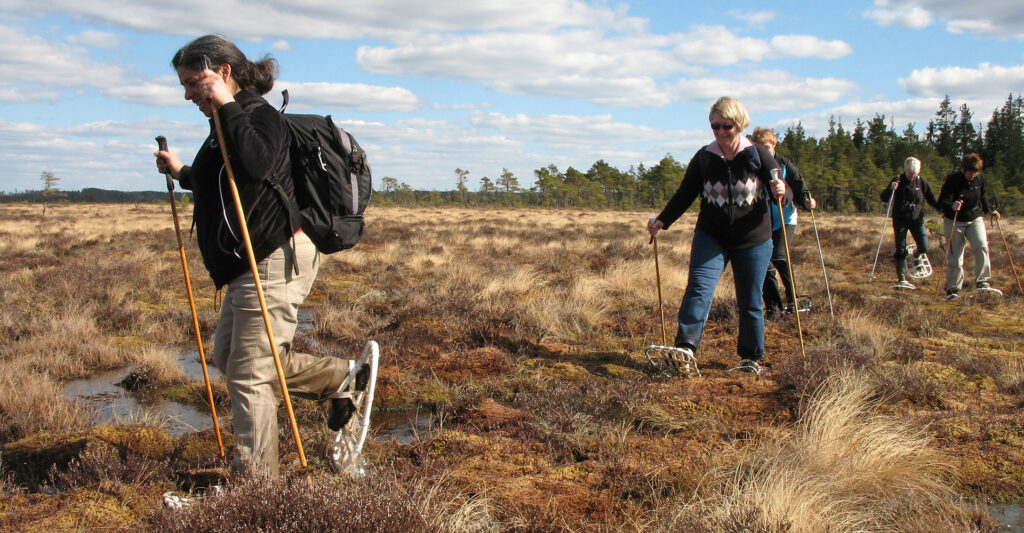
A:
972,231
241,350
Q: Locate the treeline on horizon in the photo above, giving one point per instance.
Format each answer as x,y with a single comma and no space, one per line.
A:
846,170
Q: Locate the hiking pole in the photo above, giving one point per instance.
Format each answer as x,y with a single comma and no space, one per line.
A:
162,143
881,237
657,276
673,358
822,257
1008,256
792,278
256,278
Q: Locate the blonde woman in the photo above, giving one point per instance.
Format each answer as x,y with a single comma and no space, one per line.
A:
729,175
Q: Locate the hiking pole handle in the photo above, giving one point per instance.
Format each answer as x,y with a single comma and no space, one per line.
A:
161,143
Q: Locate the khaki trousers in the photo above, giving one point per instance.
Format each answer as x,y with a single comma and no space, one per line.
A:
241,350
972,231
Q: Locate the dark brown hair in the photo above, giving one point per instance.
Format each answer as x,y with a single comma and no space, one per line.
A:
972,163
258,77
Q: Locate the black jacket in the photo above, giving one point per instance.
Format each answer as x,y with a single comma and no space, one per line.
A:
733,205
956,187
908,205
257,142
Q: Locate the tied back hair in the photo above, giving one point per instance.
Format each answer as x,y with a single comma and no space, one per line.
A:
257,77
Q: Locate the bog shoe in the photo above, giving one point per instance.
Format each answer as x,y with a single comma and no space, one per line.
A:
349,416
952,296
904,284
342,409
983,285
748,366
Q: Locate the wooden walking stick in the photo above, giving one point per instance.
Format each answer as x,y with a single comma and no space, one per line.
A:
657,276
792,278
162,143
1008,256
667,359
256,277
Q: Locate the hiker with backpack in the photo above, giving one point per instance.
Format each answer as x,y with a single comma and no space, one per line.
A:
773,300
963,202
219,79
734,226
911,192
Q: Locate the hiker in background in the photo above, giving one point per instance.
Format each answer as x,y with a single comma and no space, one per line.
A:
773,301
734,226
912,191
257,141
962,199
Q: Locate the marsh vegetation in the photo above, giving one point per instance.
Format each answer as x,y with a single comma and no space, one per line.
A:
513,393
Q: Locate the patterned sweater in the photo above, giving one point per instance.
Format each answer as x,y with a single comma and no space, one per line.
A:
734,208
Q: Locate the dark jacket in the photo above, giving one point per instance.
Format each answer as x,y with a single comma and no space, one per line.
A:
956,187
257,143
908,205
733,204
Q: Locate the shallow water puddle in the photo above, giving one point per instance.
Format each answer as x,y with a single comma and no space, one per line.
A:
113,404
1009,515
405,427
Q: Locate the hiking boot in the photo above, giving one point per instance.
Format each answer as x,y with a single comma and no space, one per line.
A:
952,296
342,409
904,284
983,285
747,365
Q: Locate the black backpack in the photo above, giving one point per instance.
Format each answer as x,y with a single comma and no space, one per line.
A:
332,180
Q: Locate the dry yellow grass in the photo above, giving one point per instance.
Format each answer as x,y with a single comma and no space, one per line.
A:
542,315
844,468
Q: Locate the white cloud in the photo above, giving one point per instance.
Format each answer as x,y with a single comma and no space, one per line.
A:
97,39
809,46
357,96
388,19
281,45
149,93
888,14
754,19
32,59
103,154
767,90
607,70
987,81
27,94
990,18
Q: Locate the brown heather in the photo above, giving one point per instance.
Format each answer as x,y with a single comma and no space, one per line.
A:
512,361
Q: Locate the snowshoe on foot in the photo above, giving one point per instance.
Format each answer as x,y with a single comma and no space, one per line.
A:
922,267
985,288
672,361
356,392
904,285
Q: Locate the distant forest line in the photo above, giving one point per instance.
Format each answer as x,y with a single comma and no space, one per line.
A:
846,170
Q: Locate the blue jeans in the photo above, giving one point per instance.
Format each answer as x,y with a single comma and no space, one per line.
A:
916,228
707,262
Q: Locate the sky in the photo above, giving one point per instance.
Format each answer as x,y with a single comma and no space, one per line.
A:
429,86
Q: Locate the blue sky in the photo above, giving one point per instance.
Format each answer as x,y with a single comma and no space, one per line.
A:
428,87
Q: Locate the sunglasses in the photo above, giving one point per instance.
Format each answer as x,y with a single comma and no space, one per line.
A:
716,126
